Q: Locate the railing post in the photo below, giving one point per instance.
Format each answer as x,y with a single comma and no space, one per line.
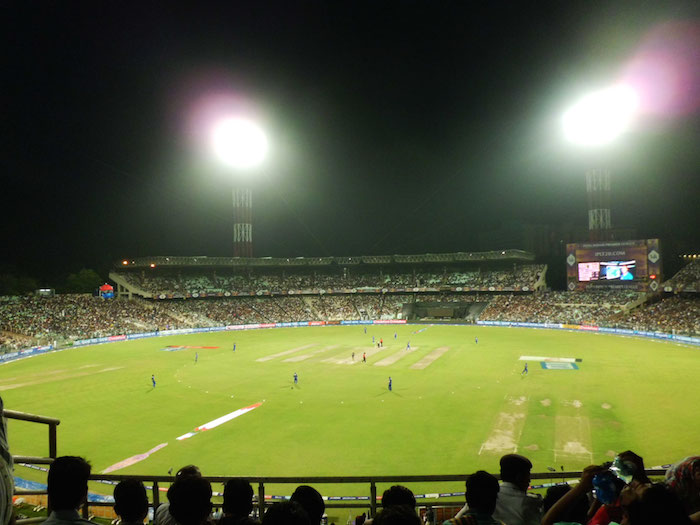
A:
156,496
52,441
85,509
373,499
261,500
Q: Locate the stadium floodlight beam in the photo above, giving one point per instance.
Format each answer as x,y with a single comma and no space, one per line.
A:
596,120
600,117
240,144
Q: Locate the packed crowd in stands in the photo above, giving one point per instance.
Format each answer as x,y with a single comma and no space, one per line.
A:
677,314
201,281
559,307
28,321
10,342
603,496
687,278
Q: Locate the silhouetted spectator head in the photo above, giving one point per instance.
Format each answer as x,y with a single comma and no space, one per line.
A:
657,504
637,463
238,497
190,500
189,471
554,494
312,501
398,495
482,491
67,482
286,513
684,480
574,513
397,515
516,469
131,501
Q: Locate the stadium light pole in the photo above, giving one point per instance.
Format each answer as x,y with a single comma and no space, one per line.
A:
594,122
242,145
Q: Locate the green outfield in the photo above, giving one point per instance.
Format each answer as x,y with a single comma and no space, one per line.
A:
456,406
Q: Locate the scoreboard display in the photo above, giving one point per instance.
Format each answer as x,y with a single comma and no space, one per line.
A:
633,265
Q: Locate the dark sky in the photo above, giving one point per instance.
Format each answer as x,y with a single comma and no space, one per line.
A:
396,127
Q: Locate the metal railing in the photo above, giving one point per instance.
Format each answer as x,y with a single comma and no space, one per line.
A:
52,424
262,501
372,503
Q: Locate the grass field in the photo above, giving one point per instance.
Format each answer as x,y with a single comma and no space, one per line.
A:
456,406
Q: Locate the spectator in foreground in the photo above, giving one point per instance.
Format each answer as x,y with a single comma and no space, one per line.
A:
561,510
397,515
576,511
481,495
514,505
131,502
162,515
286,513
311,501
654,505
613,512
6,480
396,496
684,479
238,503
67,490
190,500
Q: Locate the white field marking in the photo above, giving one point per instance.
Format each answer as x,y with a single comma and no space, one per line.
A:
303,357
286,352
358,356
133,459
87,366
505,434
548,359
228,417
428,359
35,375
56,378
572,439
517,401
219,421
400,354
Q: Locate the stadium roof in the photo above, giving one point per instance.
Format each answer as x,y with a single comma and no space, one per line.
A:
202,260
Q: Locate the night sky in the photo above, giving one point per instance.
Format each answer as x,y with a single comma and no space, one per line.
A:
395,127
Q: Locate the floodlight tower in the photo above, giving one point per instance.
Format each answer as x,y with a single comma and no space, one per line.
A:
595,121
598,190
242,145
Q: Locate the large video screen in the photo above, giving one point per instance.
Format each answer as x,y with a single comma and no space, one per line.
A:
634,264
606,271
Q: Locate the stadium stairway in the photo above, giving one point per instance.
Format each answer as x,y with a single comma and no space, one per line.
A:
129,288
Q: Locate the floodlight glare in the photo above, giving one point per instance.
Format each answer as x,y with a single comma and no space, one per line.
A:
600,117
239,143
